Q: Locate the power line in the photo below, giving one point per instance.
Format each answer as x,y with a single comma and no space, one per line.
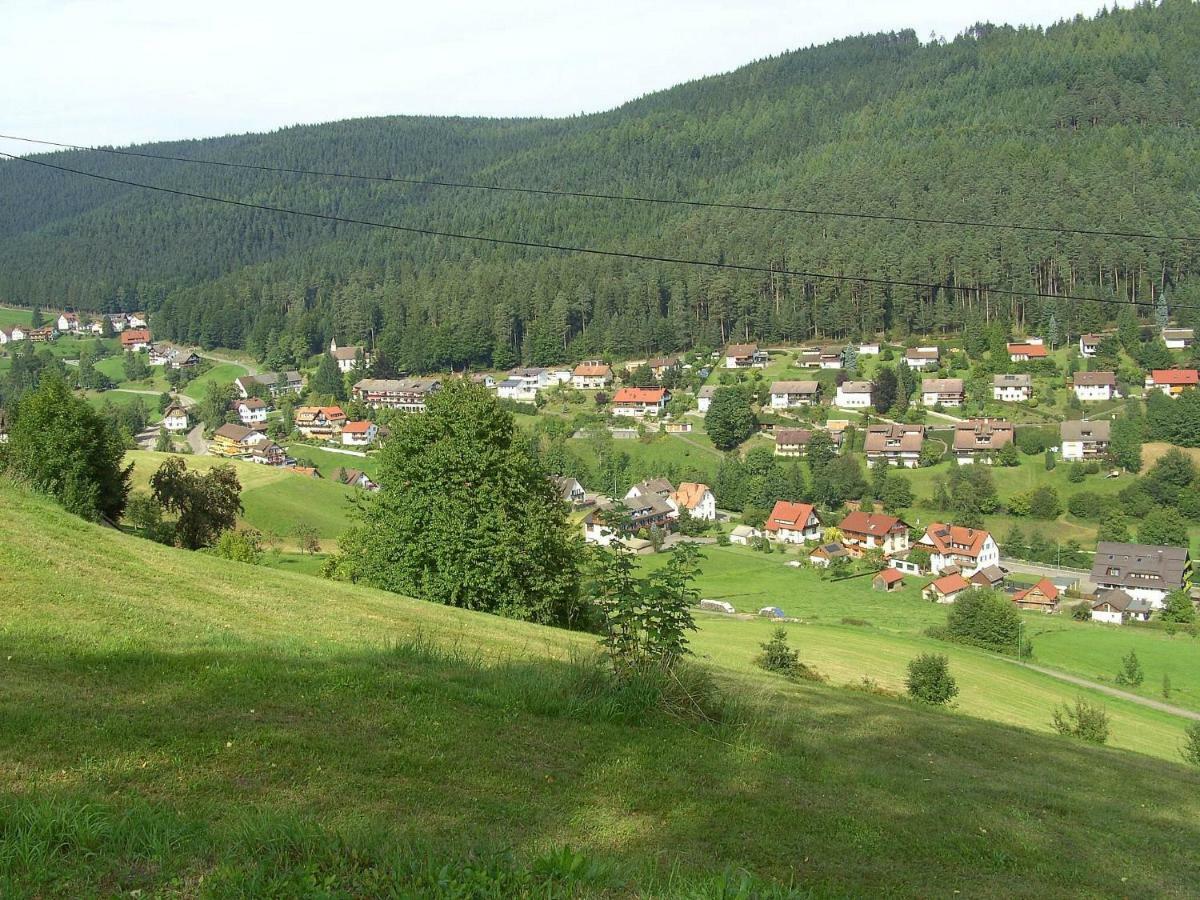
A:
566,248
587,195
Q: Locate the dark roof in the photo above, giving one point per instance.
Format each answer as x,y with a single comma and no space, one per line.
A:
1140,566
1099,430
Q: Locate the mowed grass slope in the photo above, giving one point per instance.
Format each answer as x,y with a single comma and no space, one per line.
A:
178,722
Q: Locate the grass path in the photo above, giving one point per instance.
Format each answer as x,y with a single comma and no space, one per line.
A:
1114,692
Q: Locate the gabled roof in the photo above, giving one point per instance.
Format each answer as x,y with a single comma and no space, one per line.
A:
855,387
252,403
833,550
1099,430
950,584
1094,379
789,515
988,575
741,350
397,385
910,437
237,433
861,522
174,410
982,434
1024,380
1034,351
592,370
1181,377
1045,587
690,494
707,391
1178,334
659,487
793,436
346,353
795,387
956,539
942,386
135,336
640,395
1139,565
890,576
363,427
921,353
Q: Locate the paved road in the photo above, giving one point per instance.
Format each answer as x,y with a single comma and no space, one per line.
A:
1114,692
1019,565
196,441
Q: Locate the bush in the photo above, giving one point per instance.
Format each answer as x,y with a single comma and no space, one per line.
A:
241,545
985,618
1081,612
929,679
1191,745
777,656
1131,671
1083,720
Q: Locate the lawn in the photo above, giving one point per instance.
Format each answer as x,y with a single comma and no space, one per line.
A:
120,398
114,368
220,374
328,462
175,723
11,315
275,500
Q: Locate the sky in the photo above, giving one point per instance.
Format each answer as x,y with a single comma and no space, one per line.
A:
130,71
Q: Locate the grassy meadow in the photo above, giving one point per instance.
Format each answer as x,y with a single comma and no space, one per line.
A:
176,723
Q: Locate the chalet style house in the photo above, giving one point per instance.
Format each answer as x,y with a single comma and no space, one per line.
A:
853,395
252,411
745,356
591,375
977,440
407,394
359,434
862,531
792,394
896,444
922,358
640,402
1178,338
234,440
319,421
1143,571
1042,596
1085,440
1092,386
1172,382
1089,344
697,499
1012,388
961,549
175,418
275,384
942,391
946,589
1026,352
793,523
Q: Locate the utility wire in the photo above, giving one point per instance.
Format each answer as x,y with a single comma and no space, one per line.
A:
885,217
566,248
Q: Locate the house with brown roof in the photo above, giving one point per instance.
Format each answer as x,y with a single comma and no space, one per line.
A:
1043,596
896,444
661,365
978,440
648,511
957,547
1116,607
1144,571
888,580
592,375
1178,338
853,395
234,440
1085,440
319,421
251,411
43,335
745,356
792,394
943,391
794,441
1012,388
1024,352
1172,382
922,358
406,394
946,589
347,358
863,531
1092,386
639,402
135,339
175,418
988,577
267,453
793,523
697,499
1089,344
827,554
356,478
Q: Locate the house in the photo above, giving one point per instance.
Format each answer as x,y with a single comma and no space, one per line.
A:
175,418
827,554
234,440
1090,386
1178,338
793,523
1143,571
1085,440
745,356
68,323
1043,596
646,511
944,391
697,499
10,335
119,322
921,358
247,385
591,375
319,421
868,349
829,361
946,589
347,358
137,320
809,359
660,366
888,580
356,478
252,411
359,434
518,390
651,487
164,354
135,339
955,546
630,401
569,489
267,453
862,531
407,394
896,444
1089,344
43,335
486,379
1172,382
743,535
1012,388
988,577
792,441
977,440
1117,607
790,394
853,395
704,397
904,564
1027,351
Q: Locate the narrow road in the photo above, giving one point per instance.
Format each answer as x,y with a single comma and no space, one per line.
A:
196,441
250,368
1112,691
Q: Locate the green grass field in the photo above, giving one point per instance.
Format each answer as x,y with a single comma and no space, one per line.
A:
178,724
329,462
114,368
120,398
275,500
220,374
11,315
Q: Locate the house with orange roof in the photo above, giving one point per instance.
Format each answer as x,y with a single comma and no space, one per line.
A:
359,434
1043,596
319,421
591,375
631,401
946,589
1026,351
1172,382
888,580
135,339
862,531
957,547
697,499
793,523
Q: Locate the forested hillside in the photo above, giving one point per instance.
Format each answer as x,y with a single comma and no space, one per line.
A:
1090,124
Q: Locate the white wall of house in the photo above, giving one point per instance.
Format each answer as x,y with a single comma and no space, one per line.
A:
851,401
1010,394
1091,392
1108,615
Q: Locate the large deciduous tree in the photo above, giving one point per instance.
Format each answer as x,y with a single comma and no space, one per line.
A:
206,504
729,420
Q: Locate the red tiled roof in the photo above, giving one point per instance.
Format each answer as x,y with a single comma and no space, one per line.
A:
1034,351
943,536
592,370
1047,588
890,576
860,522
950,584
1176,376
356,428
690,493
789,515
135,336
639,395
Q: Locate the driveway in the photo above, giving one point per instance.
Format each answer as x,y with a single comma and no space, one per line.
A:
1070,575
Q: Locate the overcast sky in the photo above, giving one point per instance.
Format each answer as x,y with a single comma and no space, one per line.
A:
127,71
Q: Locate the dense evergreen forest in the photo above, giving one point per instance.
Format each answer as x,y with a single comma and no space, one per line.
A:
1090,123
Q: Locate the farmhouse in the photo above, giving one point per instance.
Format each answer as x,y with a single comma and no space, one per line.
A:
921,358
704,397
319,421
1172,382
135,339
1085,440
888,580
1089,344
862,531
956,547
793,523
356,478
248,385
1091,386
946,589
853,395
164,354
1012,388
234,440
359,434
1027,351
43,335
976,440
1178,338
944,391
647,511
407,394
591,375
1043,596
175,418
651,487
10,335
791,394
745,356
1143,571
697,499
792,441
640,402
1117,608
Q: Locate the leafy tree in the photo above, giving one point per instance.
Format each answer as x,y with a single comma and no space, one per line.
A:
145,514
61,447
1171,474
206,505
240,545
929,679
136,367
897,493
1131,671
729,420
820,451
1163,527
1083,720
985,618
841,479
1007,456
1178,608
1044,503
1190,751
307,538
466,516
886,388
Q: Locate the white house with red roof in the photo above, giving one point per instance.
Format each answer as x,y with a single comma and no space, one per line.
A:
697,499
1172,382
632,401
359,434
946,589
957,547
793,523
863,531
1023,352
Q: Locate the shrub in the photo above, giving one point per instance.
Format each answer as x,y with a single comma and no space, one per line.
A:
1131,671
1081,612
778,656
1191,744
1083,720
240,545
929,679
985,618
